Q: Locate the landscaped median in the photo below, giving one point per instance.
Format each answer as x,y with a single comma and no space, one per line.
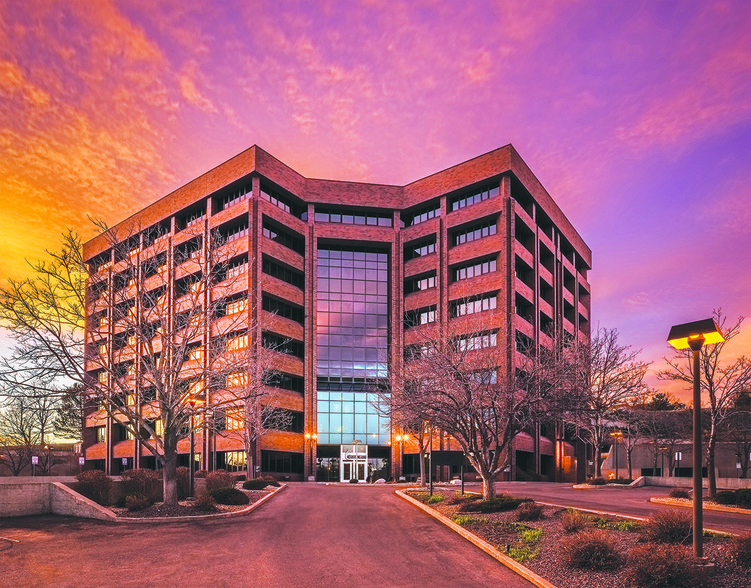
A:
553,546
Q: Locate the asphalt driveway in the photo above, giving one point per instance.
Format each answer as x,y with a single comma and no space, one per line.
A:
309,535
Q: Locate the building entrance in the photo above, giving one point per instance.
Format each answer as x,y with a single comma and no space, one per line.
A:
354,462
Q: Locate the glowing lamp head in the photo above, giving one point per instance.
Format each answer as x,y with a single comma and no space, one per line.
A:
695,334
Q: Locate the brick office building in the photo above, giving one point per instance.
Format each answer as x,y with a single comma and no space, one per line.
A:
336,272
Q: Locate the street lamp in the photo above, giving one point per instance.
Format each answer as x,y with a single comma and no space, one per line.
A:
694,335
310,437
355,443
401,439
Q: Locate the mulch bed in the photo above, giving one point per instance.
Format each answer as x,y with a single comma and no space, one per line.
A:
548,564
185,508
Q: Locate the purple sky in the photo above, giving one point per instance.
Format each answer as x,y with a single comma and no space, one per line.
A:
636,116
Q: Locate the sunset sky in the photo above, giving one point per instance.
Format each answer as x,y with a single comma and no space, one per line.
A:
636,117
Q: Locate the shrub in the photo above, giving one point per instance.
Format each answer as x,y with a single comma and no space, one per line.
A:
183,483
142,481
205,503
739,549
500,503
201,473
529,511
627,526
726,497
743,497
354,481
663,566
256,484
522,554
458,498
574,521
463,520
680,493
271,481
230,496
591,549
668,526
95,485
531,536
597,481
435,499
137,502
219,479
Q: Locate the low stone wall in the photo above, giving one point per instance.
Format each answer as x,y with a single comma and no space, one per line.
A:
722,483
46,495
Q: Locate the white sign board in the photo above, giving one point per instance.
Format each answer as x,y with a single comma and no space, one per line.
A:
34,460
81,461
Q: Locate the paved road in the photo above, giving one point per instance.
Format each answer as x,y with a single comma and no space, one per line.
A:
628,501
309,535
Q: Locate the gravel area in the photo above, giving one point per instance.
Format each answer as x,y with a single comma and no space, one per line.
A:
548,564
184,508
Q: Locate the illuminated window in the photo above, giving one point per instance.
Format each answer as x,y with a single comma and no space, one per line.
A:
195,352
236,306
235,419
237,379
101,434
102,349
102,377
132,339
103,320
237,267
237,342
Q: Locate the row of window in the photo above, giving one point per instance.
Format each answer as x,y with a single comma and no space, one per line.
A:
420,283
474,269
286,204
288,240
421,316
352,218
284,273
475,232
419,249
478,341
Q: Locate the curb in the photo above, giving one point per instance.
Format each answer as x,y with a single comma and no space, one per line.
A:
513,565
223,515
717,507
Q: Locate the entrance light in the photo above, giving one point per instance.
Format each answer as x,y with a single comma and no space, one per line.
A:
694,335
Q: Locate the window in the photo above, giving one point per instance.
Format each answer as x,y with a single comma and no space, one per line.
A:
473,305
236,306
422,214
281,462
101,434
419,249
421,316
420,283
102,377
237,232
477,341
231,198
287,239
283,344
475,269
284,203
477,195
280,419
237,342
286,382
102,349
283,309
418,351
353,217
235,419
236,379
284,273
475,232
195,352
237,267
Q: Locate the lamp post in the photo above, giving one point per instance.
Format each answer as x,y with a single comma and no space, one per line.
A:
192,457
355,443
310,437
401,439
693,336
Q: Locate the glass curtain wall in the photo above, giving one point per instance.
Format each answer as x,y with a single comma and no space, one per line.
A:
352,338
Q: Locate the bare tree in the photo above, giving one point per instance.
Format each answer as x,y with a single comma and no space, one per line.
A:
630,423
666,432
457,378
24,427
721,382
738,430
169,333
615,380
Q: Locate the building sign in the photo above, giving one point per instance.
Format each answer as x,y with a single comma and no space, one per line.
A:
34,460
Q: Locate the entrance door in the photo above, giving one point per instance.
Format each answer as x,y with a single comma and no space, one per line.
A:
354,463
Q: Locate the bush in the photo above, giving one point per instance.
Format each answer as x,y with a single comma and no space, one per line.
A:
201,473
271,481
205,503
574,521
256,484
354,481
219,479
739,549
137,502
591,549
529,511
95,485
663,566
457,498
463,520
142,481
435,499
597,481
500,503
680,493
726,497
743,497
183,483
229,496
668,526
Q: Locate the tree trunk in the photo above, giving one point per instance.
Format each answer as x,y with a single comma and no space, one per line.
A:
598,462
488,488
712,480
169,478
423,480
628,460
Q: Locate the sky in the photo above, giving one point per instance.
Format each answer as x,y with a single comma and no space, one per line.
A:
635,116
